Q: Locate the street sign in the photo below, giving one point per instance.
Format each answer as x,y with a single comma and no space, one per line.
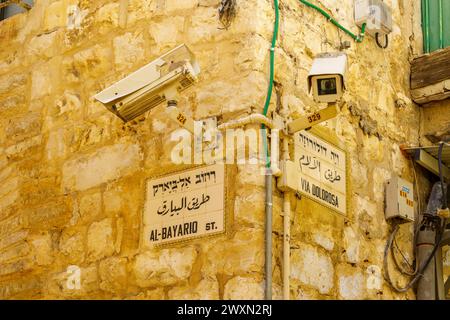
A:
185,205
321,171
312,119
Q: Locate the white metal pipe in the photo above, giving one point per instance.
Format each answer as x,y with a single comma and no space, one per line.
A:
275,152
251,119
268,236
286,231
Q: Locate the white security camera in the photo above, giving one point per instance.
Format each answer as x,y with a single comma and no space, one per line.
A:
155,83
327,76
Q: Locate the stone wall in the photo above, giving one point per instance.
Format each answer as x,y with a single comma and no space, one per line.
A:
73,175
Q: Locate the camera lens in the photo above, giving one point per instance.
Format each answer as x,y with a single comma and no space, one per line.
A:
327,86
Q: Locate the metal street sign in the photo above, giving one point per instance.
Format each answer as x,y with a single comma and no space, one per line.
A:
321,171
313,119
185,205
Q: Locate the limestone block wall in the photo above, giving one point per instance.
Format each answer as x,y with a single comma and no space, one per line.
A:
72,175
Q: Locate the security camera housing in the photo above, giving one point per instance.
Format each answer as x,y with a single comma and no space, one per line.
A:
152,84
326,79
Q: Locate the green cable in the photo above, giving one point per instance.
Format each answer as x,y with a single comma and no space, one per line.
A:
272,72
357,38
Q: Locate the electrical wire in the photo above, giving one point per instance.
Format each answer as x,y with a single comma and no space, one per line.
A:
440,231
386,41
358,38
414,266
271,79
421,270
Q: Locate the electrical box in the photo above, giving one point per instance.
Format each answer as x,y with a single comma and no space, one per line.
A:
399,200
375,14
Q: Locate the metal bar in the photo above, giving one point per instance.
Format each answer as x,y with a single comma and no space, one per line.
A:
426,288
268,236
286,245
286,231
430,163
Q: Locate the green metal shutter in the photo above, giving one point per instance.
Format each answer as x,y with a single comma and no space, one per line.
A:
435,24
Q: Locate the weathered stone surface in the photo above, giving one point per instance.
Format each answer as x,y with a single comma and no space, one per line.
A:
42,249
93,61
19,129
107,17
100,241
9,82
128,49
41,83
20,150
172,5
352,287
241,255
71,245
106,164
240,288
207,289
324,241
168,31
312,268
90,206
155,294
12,104
48,216
351,245
166,267
56,146
25,286
18,251
72,174
113,274
55,15
44,45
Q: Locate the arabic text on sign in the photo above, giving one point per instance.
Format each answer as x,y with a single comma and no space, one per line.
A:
190,205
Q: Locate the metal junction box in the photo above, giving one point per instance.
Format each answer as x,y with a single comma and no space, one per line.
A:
376,14
399,200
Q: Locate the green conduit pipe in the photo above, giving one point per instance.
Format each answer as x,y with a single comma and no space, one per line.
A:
268,178
268,237
358,38
272,74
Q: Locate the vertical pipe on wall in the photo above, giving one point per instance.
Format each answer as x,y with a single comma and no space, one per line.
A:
268,236
286,231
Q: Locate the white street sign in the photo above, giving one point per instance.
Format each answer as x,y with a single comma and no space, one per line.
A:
185,205
321,171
